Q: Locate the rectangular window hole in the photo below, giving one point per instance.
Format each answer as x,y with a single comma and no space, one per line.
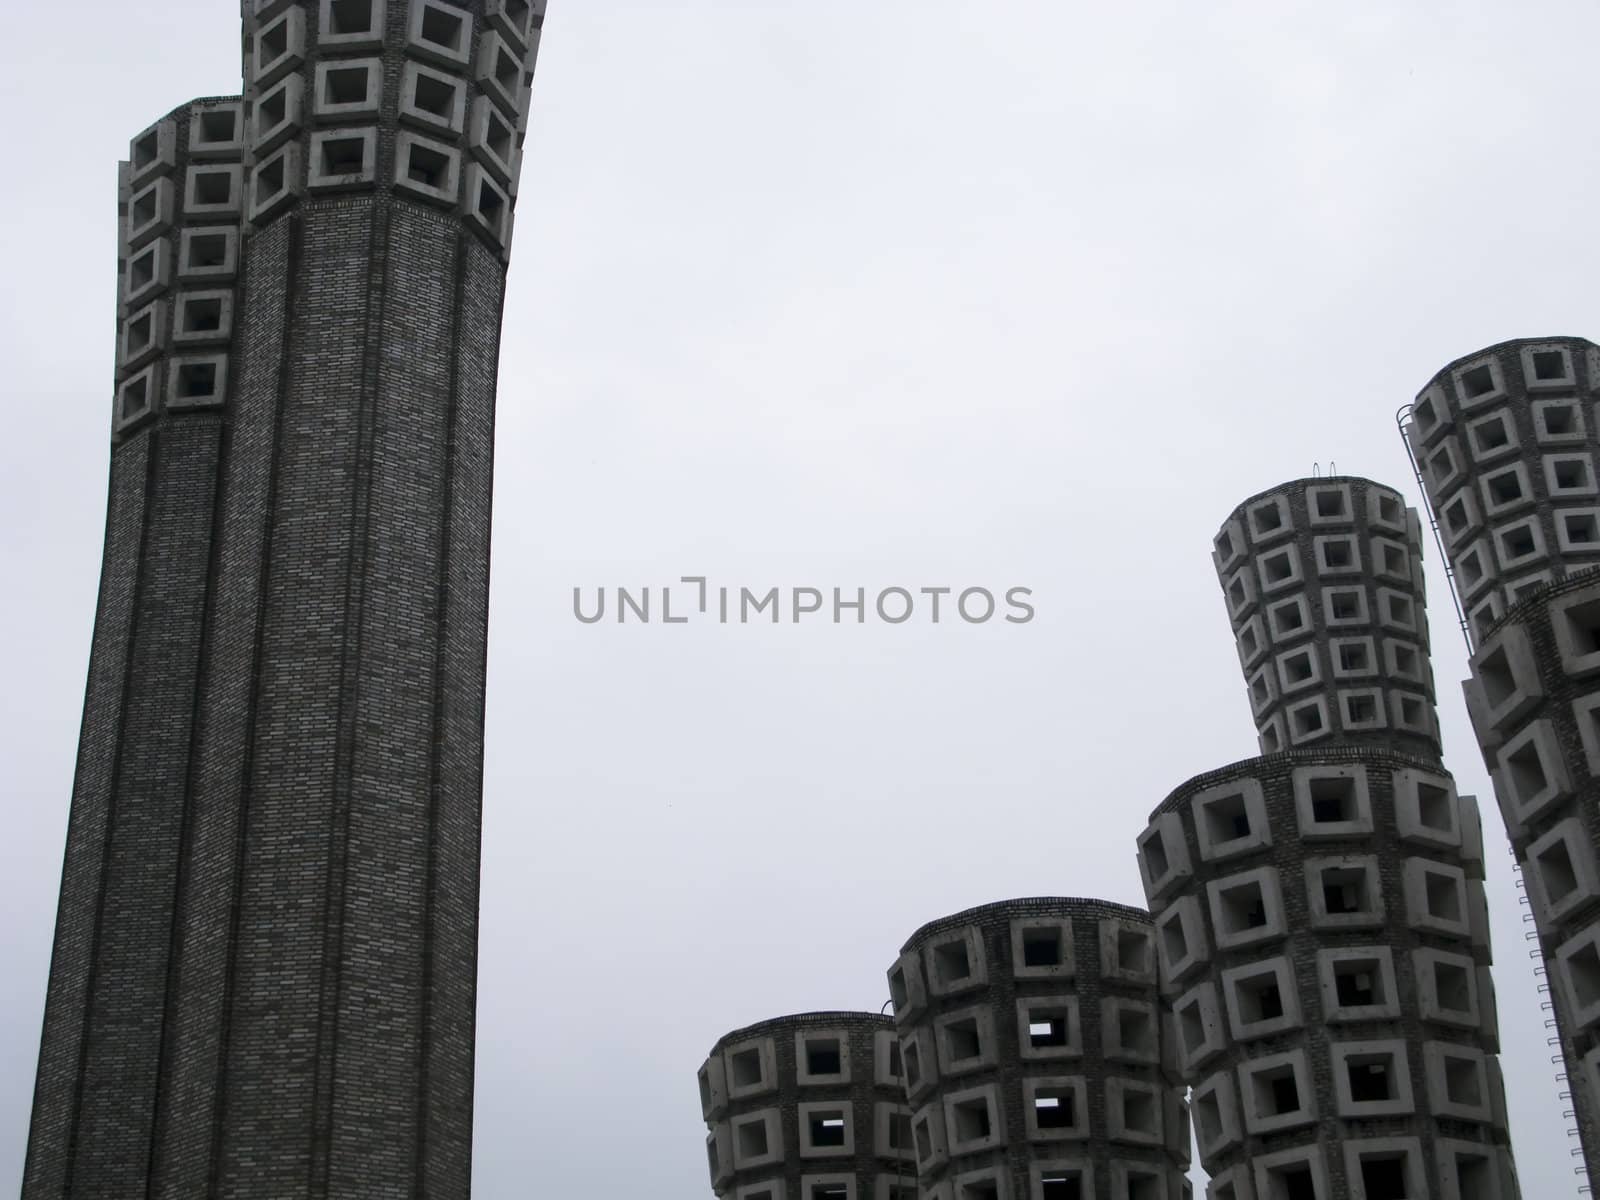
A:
134,399
443,29
274,43
1061,1187
1518,542
1505,488
201,314
1243,907
950,962
1462,1081
1581,529
963,1039
208,250
1041,948
1344,890
146,150
1442,895
427,166
1278,567
745,1067
435,96
1526,767
1358,983
824,1056
344,156
1557,875
1055,1108
1452,985
1559,420
345,85
197,380
1477,381
1333,799
1046,1030
1385,1179
142,270
827,1129
1259,998
269,180
1347,604
972,1121
1359,708
1136,1031
1227,818
1133,952
752,1136
350,16
219,126
139,332
1370,1076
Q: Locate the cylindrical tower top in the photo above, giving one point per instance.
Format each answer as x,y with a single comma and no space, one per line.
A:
808,1105
1504,442
1037,1061
1323,583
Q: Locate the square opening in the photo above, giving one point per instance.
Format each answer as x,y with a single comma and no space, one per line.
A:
1359,983
1463,1082
1580,530
1385,1178
206,251
1041,947
1583,627
829,1191
824,1056
911,1054
1442,466
1370,1077
1277,1093
1494,673
1258,998
1334,800
498,136
1227,818
145,208
491,205
745,1068
1293,1181
1558,419
351,17
1308,720
1477,381
1155,854
138,333
1404,661
1389,510
1518,542
1549,365
827,1129
142,269
898,1133
1452,985
751,1137
972,1121
146,149
1054,1185
1491,434
1249,643
1583,969
1504,488
443,28
200,314
1136,1031
342,156
1347,605
1557,874
133,400
1392,560
1267,517
1279,567
1141,1112
1346,890
345,85
1570,475
1526,768
924,1139
1133,953
272,43
1055,1106
1192,1025
978,1189
1330,504
1046,1029
1436,809
427,166
1300,667
951,962
898,993
1271,737
217,126
1242,907
1442,896
1360,708
270,179
1336,554
435,96
1398,609
963,1040
507,71
1261,689
1355,657
1475,1177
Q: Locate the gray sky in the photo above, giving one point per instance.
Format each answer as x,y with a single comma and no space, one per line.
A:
855,293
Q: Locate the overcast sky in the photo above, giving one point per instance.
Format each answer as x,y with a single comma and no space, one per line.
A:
848,293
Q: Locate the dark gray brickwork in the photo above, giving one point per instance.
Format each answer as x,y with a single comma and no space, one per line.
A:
1037,1060
263,982
808,1107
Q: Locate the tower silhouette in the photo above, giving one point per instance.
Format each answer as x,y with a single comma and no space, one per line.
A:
264,971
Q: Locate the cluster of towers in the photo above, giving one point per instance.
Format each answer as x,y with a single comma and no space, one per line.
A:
263,981
1310,984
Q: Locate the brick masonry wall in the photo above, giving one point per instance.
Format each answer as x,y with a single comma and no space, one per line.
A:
264,976
1119,1125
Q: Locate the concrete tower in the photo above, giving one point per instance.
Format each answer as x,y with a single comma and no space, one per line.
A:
263,980
1506,441
1037,1062
1319,911
808,1107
